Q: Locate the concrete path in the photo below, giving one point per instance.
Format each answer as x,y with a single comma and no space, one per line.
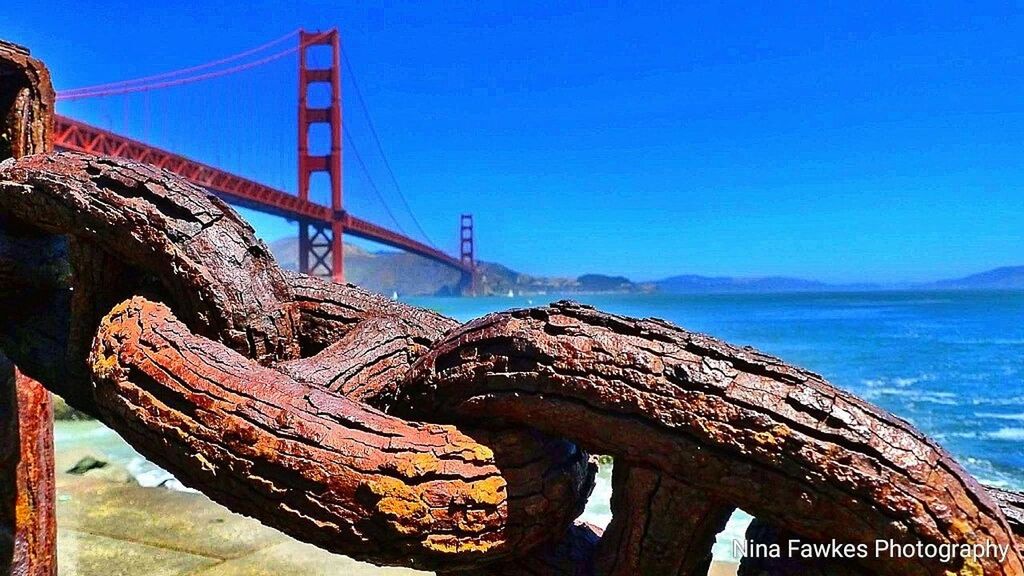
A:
108,529
113,529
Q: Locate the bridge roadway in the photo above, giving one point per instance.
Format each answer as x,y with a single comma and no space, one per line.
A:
78,136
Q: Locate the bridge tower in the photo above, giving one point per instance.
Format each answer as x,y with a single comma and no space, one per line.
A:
467,253
320,246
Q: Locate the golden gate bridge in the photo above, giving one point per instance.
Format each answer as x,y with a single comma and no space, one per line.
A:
321,225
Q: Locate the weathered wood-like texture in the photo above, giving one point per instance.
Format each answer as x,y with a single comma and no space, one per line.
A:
319,466
134,230
361,346
35,546
740,426
159,234
571,554
1012,504
28,530
26,103
10,447
660,525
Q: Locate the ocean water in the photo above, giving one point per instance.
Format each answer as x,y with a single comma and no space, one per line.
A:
952,363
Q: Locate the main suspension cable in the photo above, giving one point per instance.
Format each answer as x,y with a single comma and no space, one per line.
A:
161,75
369,180
380,149
126,89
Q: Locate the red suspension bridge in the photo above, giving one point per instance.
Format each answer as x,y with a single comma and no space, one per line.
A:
321,226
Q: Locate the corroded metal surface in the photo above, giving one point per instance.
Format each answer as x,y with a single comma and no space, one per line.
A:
320,466
35,552
723,426
26,103
28,529
739,426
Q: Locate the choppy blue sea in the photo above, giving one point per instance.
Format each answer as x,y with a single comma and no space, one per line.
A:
952,363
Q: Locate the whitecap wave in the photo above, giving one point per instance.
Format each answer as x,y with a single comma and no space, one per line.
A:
1011,434
987,341
991,475
897,381
913,395
942,436
999,416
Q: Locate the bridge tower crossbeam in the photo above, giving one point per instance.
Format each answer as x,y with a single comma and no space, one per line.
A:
467,253
321,246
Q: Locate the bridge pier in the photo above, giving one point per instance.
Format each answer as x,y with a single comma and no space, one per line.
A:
467,284
321,249
338,248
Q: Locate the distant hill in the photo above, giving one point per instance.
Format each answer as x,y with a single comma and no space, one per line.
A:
387,272
498,279
691,284
1005,278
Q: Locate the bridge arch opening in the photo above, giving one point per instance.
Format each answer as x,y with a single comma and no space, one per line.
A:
318,139
318,95
320,188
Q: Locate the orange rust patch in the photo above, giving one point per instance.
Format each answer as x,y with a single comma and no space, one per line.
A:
416,464
488,491
776,436
451,545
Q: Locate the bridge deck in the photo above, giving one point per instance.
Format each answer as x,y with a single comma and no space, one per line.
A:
78,136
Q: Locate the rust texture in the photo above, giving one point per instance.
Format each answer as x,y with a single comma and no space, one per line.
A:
660,526
156,231
28,528
26,103
739,426
320,466
1012,504
394,435
10,446
134,230
35,551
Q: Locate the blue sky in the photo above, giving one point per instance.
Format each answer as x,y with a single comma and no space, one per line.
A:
841,142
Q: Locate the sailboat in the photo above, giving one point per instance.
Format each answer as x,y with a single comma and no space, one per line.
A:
511,294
